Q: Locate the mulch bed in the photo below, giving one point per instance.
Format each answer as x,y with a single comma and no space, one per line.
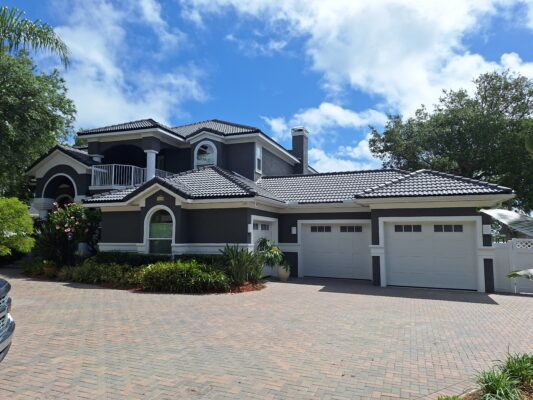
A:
248,287
526,391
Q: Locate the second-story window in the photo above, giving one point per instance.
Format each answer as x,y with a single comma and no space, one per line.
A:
258,158
205,154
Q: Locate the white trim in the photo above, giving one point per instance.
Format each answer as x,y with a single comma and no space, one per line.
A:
177,248
60,174
260,218
76,165
259,148
436,201
127,247
126,135
148,217
205,248
301,222
205,143
245,138
480,251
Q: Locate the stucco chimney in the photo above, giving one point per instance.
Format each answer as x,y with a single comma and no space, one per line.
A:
300,138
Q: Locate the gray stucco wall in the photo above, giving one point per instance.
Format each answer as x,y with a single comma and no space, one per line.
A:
273,165
82,181
121,227
228,225
240,158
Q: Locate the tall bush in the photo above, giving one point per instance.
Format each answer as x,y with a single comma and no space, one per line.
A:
58,236
16,227
242,265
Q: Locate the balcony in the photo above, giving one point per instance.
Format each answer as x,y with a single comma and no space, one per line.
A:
118,176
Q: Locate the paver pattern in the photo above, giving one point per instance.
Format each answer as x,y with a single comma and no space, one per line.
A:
311,338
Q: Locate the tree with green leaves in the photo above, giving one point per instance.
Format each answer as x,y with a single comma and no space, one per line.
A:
35,114
484,135
17,32
16,227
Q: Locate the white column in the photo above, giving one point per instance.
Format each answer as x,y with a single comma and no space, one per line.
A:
150,164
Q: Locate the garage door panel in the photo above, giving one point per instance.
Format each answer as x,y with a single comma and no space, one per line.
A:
431,259
336,254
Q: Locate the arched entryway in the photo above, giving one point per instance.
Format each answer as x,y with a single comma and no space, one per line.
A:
160,231
61,188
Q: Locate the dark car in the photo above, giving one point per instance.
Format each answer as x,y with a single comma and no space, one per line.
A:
7,325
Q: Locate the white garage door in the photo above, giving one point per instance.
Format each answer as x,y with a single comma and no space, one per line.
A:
336,250
436,254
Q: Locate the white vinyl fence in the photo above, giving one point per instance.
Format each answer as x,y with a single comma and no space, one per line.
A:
516,254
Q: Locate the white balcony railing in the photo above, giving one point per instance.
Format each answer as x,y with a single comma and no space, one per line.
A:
120,176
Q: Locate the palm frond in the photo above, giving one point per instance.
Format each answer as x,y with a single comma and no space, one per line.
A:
17,32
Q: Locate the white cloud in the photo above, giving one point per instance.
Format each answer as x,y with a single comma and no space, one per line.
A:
252,47
151,14
324,162
360,151
327,116
101,79
404,51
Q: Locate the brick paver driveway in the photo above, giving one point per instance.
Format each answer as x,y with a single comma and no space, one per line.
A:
305,339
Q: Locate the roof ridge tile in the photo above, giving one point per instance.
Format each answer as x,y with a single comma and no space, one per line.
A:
389,183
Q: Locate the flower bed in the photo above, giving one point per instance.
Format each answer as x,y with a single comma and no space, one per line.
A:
237,272
512,379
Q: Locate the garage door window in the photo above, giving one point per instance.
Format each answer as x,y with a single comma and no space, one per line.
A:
447,228
407,228
320,228
351,228
265,227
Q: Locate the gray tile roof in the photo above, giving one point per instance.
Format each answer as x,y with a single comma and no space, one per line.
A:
431,183
326,187
201,183
78,154
216,126
334,187
129,126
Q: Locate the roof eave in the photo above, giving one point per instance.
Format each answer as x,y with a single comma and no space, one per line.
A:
482,198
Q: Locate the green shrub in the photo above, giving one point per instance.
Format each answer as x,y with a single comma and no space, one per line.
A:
91,272
242,265
33,266
449,398
207,259
132,259
519,367
182,277
16,227
498,385
65,227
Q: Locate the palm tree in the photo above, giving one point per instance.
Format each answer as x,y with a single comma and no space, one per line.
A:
17,31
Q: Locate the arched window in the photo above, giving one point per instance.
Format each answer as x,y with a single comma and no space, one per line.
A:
160,232
205,154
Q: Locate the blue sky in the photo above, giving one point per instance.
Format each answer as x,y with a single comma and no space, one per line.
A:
335,67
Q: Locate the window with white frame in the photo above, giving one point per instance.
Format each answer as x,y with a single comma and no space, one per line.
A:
321,229
205,154
258,158
160,233
407,228
351,228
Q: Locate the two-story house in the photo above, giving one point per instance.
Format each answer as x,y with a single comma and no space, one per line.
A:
194,188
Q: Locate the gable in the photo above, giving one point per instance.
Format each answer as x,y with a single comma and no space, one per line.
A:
55,158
